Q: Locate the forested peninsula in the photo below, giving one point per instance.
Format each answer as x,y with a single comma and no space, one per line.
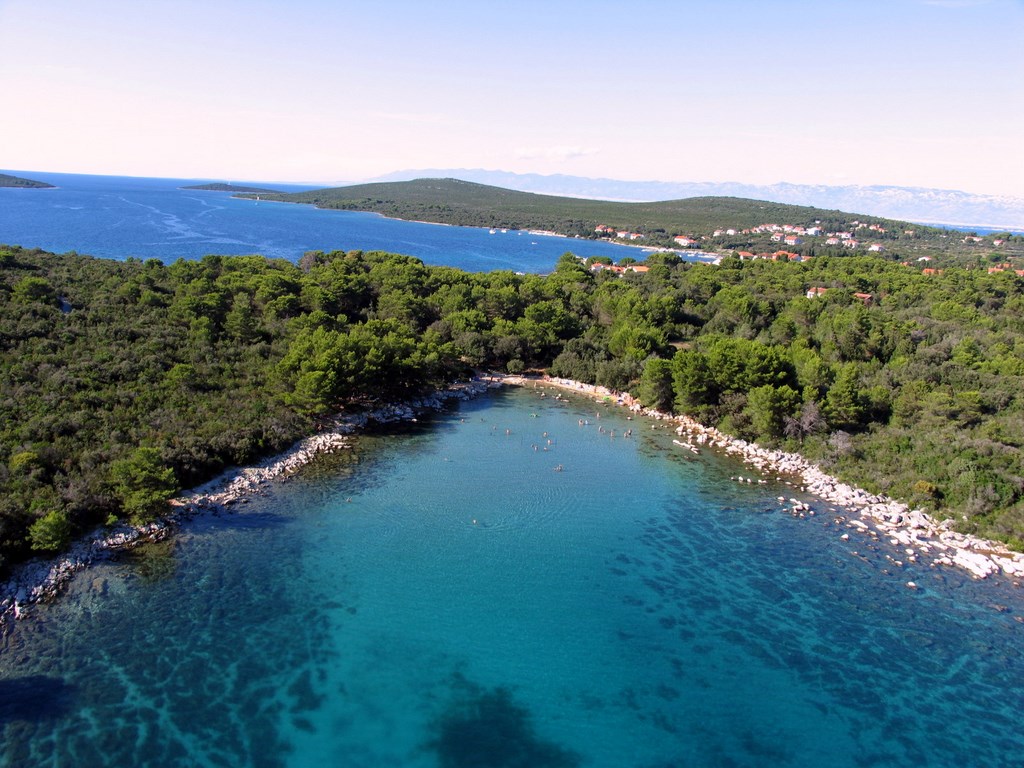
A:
6,180
466,203
123,382
715,224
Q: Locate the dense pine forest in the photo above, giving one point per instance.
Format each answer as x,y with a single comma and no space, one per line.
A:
124,382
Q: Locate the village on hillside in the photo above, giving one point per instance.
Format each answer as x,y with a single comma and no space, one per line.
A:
789,234
855,236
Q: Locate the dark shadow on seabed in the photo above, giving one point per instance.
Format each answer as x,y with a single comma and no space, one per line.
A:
488,729
35,698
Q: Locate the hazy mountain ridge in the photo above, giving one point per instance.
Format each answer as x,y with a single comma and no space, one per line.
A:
905,203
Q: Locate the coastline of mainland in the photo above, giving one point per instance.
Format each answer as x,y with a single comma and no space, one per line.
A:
872,516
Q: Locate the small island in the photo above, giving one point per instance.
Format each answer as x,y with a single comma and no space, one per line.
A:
221,187
6,180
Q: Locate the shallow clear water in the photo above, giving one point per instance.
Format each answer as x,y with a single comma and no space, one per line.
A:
441,596
117,217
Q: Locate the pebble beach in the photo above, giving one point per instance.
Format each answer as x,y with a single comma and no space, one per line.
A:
42,579
918,535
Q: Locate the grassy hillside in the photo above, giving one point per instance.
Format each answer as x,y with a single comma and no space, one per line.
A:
450,201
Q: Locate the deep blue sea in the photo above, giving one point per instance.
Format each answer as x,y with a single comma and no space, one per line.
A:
118,217
442,597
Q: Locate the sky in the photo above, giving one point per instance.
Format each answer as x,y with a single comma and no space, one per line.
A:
926,93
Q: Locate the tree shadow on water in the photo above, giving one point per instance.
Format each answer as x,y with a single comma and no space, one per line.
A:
488,729
34,699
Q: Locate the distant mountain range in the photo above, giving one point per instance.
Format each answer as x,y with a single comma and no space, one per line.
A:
927,206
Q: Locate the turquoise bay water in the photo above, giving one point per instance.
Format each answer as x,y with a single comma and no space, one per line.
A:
442,596
117,217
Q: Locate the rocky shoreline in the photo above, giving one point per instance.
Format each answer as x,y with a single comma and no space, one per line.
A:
916,533
42,579
876,516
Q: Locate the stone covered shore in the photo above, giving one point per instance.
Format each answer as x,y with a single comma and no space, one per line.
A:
916,533
42,579
879,517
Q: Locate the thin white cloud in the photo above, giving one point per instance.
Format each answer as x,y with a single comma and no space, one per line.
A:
956,3
554,153
419,118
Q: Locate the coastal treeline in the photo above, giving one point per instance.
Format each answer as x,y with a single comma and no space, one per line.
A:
123,382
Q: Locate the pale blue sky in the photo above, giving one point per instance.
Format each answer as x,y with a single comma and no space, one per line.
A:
909,92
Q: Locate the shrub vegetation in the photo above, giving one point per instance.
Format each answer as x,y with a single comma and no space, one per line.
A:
123,382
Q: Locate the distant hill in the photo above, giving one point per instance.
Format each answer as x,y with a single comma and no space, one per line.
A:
921,204
6,180
452,201
220,187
